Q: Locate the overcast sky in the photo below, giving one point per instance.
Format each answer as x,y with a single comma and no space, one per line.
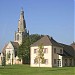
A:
48,17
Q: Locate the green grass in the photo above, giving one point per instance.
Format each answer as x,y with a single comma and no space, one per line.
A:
27,70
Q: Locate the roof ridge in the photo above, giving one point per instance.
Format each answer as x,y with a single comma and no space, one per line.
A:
46,40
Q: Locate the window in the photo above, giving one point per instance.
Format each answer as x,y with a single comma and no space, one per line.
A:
1,58
65,62
54,61
35,61
59,62
70,62
15,53
61,51
46,61
8,55
35,50
54,50
17,37
45,50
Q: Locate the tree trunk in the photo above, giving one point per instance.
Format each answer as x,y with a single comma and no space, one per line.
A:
39,62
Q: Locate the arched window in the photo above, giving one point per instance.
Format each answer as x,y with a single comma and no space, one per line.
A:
17,37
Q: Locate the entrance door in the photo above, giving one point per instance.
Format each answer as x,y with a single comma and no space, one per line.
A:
59,63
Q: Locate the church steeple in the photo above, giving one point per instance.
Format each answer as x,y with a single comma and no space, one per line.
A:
22,31
21,23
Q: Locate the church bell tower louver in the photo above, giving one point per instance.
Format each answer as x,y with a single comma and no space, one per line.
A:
22,32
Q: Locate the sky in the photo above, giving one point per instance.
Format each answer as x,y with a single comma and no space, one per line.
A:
49,17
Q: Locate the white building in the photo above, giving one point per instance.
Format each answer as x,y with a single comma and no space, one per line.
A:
11,53
55,54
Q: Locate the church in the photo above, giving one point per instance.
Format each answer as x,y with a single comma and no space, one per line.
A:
10,49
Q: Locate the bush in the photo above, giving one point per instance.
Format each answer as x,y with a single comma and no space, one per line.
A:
3,61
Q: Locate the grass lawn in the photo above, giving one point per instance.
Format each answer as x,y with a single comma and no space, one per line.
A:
27,70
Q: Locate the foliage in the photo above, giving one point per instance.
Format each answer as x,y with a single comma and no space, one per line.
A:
3,61
40,55
27,70
34,38
8,56
24,48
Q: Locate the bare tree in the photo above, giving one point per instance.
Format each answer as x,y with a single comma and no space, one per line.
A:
40,55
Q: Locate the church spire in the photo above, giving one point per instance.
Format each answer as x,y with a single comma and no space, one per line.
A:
22,31
21,23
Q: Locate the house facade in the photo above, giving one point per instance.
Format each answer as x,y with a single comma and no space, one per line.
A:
55,54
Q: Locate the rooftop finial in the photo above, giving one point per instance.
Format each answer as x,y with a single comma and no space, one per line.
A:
21,8
22,12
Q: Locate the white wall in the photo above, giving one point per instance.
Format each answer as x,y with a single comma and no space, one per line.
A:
10,49
46,56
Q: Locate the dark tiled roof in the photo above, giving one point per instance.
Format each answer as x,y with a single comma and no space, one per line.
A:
46,41
15,44
68,50
73,45
55,43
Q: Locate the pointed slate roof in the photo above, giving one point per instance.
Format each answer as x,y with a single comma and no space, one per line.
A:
46,41
21,23
15,44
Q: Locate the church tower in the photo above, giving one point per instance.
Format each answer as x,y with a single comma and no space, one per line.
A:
22,32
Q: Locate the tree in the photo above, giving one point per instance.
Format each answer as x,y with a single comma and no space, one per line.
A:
34,38
3,61
24,50
40,55
8,56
